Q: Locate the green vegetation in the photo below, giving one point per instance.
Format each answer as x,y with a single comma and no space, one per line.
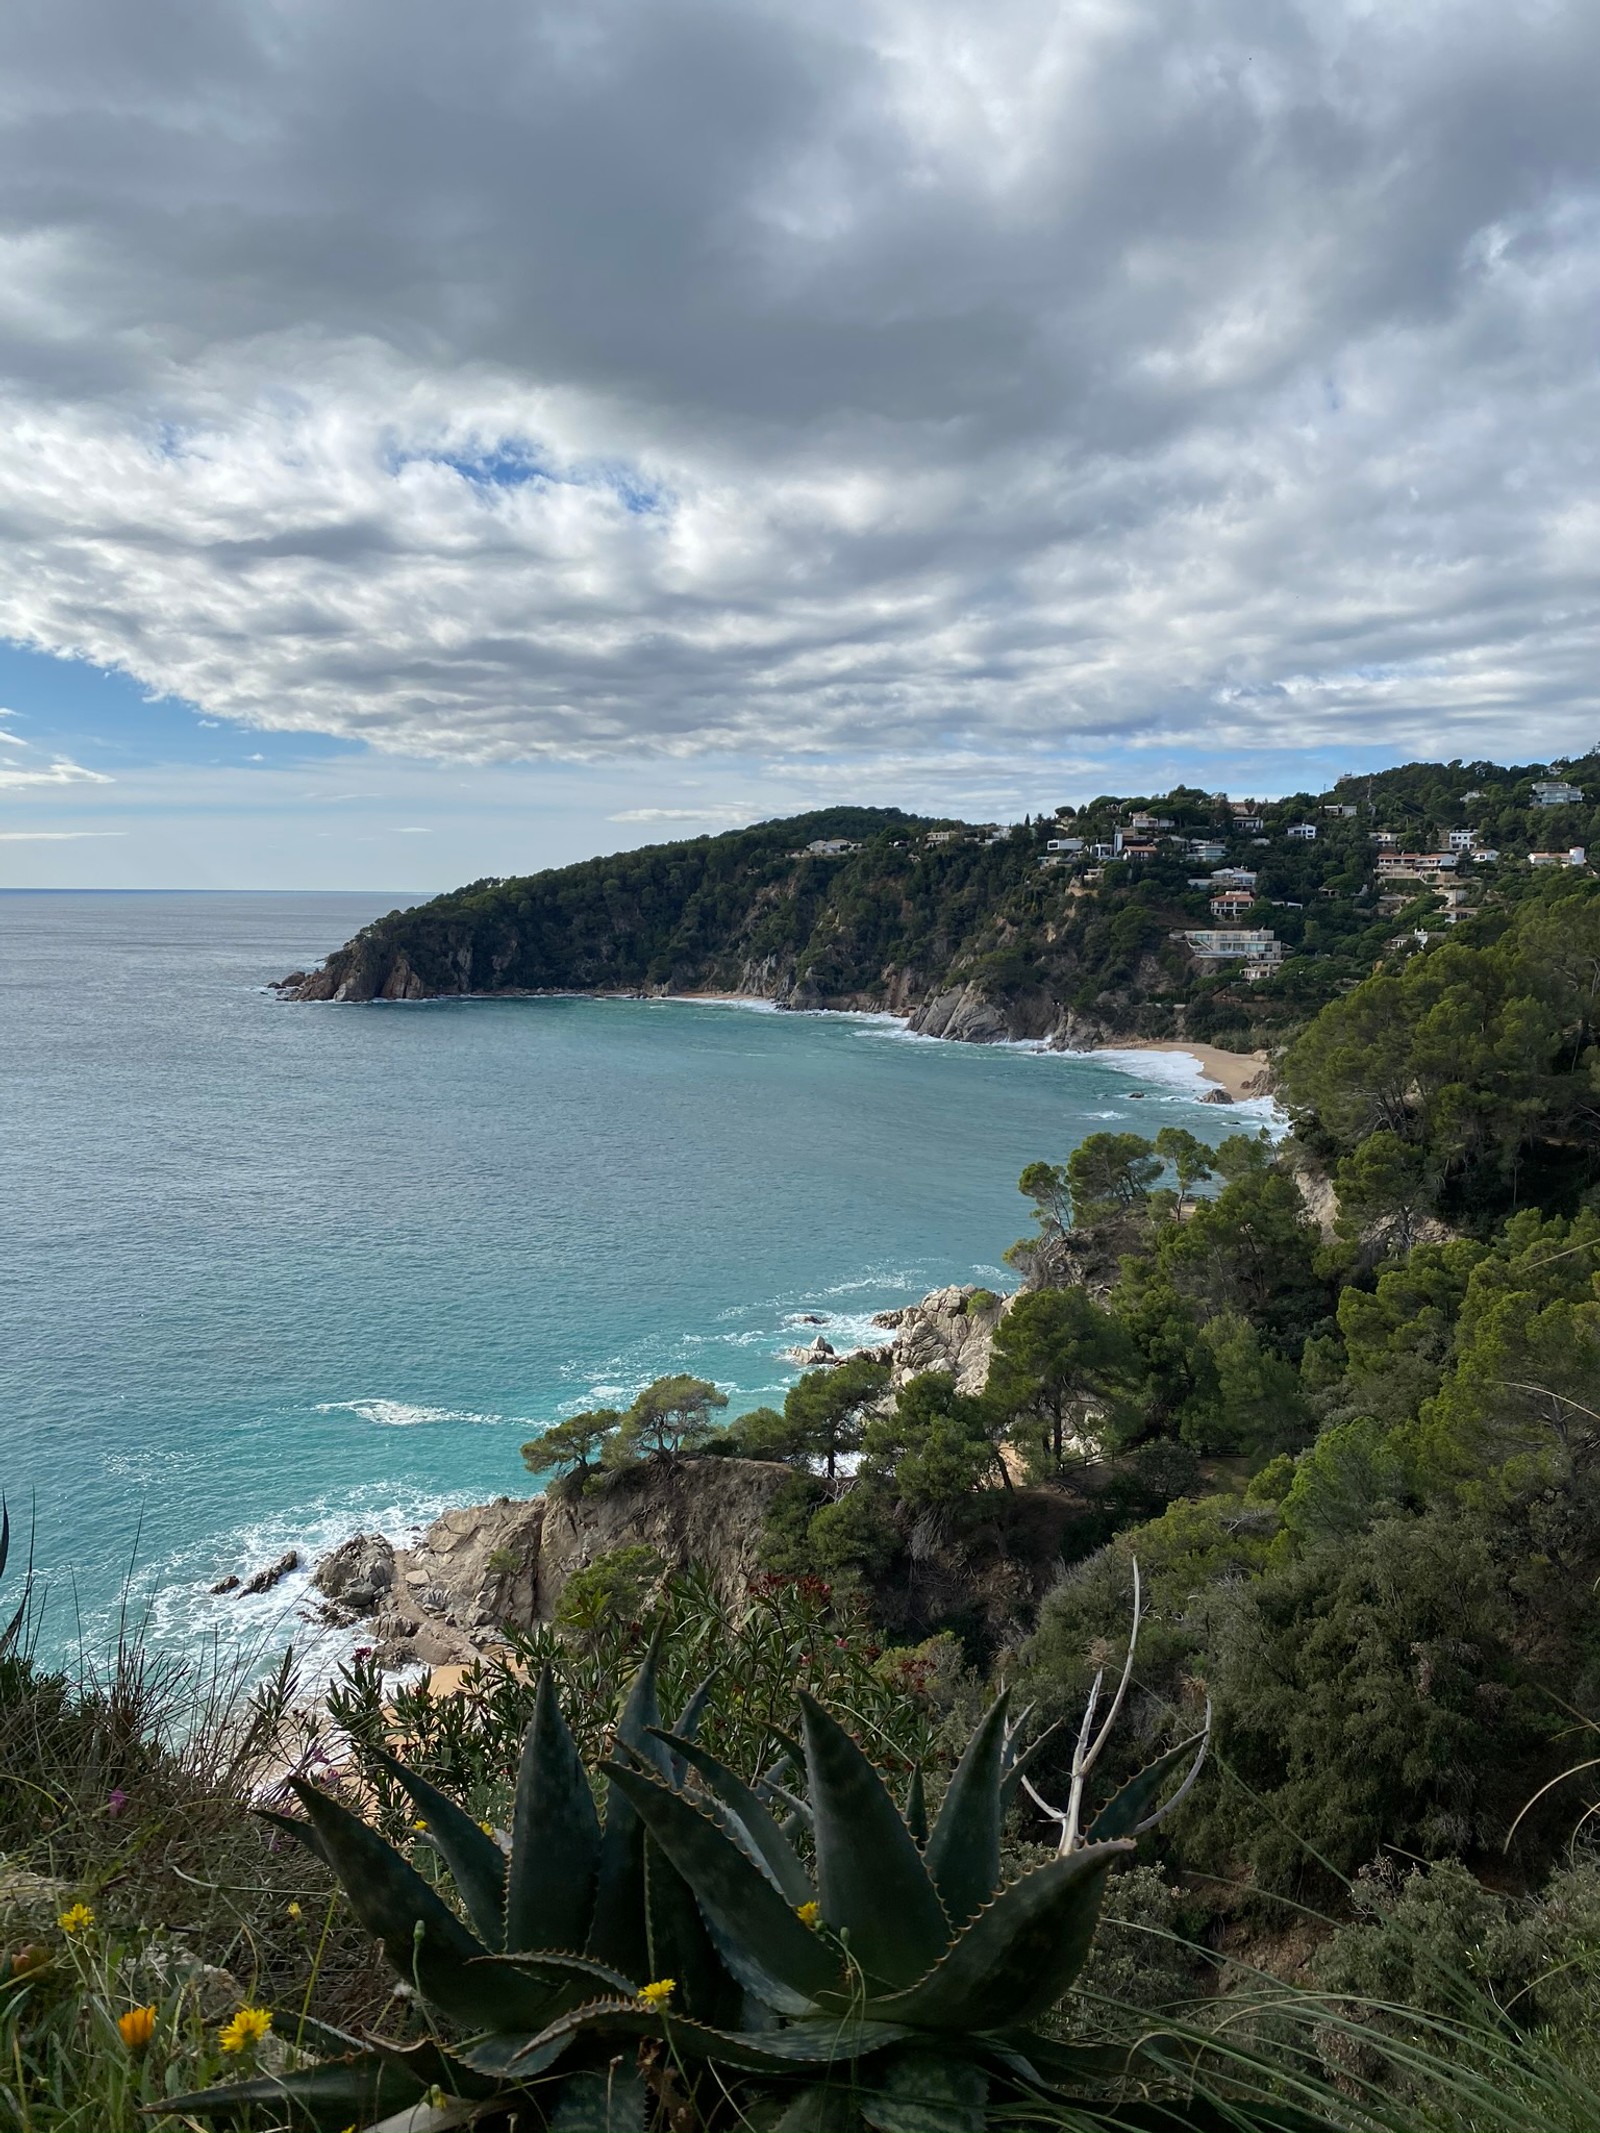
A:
1332,1406
670,1418
1074,942
717,1945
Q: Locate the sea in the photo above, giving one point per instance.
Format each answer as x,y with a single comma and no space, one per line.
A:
272,1273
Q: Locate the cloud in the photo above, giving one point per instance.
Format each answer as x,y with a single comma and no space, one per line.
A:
13,776
810,382
685,814
54,836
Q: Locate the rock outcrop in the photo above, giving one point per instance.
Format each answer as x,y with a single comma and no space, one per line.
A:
483,1567
946,1331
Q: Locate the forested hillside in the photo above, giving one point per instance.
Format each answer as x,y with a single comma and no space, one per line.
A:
1124,917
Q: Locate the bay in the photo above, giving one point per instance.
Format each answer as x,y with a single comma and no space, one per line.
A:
269,1273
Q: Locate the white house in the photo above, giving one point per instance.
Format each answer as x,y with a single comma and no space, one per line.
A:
1462,840
1305,831
1574,857
1555,792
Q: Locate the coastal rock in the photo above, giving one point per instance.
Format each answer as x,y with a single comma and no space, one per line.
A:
359,1574
943,1332
706,1511
1216,1096
483,1567
815,1355
274,1574
964,1015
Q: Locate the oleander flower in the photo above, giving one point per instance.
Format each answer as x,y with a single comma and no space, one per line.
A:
78,1920
808,1913
247,2029
137,2027
658,1991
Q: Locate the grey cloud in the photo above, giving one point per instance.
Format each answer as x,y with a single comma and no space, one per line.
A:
895,375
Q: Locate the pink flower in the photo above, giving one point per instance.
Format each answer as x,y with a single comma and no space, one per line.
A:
117,1801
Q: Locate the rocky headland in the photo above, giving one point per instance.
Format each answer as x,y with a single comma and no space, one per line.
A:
480,1569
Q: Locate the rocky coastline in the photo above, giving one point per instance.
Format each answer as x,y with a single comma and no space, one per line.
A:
447,1599
960,1014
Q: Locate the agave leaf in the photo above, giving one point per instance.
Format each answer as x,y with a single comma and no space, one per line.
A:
477,1864
601,2100
917,2093
1018,1956
421,1935
917,1809
680,1945
822,2108
1126,1809
509,2056
301,1832
555,1835
773,1847
426,2117
1046,2062
424,2060
329,2095
755,1928
560,1970
963,1854
688,1726
617,1934
871,1881
1024,1762
833,2040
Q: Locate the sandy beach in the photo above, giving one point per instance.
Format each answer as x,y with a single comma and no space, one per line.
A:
1240,1073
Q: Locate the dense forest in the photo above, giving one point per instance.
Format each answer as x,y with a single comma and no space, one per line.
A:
1073,922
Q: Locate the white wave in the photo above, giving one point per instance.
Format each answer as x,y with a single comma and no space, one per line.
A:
403,1414
173,1607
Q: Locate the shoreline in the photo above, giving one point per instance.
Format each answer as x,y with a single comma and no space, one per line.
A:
1240,1074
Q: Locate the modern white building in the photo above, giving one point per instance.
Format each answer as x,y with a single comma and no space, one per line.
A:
1248,945
1556,792
1305,831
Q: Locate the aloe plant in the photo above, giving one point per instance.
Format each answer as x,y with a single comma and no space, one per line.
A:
795,1955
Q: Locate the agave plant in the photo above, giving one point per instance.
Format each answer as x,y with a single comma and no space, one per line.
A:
795,1955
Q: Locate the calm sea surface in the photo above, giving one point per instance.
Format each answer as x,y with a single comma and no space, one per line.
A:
270,1273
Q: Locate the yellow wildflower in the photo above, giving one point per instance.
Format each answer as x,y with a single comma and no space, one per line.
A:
658,1990
486,1828
137,2027
294,1910
247,2028
78,1920
808,1913
419,1823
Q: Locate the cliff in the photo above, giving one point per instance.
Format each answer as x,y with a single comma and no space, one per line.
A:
483,1566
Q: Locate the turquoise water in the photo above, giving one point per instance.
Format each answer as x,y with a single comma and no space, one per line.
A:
269,1273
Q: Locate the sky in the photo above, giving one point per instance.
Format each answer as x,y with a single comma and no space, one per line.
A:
444,442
